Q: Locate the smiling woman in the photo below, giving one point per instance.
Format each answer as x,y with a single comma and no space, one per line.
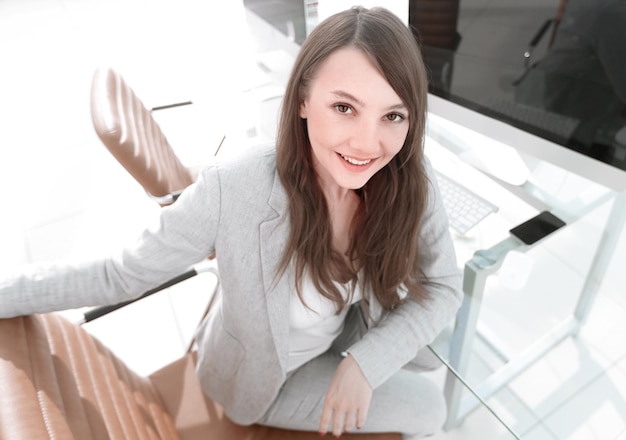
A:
335,260
353,121
362,207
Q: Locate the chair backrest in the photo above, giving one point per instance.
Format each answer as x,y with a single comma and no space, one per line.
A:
58,381
129,131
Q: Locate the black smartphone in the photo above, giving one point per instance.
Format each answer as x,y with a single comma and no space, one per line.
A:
538,227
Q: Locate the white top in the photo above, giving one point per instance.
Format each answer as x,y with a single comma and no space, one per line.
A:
314,327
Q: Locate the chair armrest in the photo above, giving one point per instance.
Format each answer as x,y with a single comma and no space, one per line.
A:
98,312
166,106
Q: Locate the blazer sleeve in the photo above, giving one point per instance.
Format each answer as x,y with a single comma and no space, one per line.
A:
395,341
184,235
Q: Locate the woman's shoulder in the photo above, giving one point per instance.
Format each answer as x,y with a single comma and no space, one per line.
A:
250,160
245,170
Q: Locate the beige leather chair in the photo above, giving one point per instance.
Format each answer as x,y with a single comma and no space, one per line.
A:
57,381
132,135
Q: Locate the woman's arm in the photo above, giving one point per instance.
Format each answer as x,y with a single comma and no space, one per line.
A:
396,339
184,235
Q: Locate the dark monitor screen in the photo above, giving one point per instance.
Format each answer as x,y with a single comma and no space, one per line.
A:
552,68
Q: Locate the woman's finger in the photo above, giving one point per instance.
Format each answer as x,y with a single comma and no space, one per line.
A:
339,422
350,421
361,416
325,419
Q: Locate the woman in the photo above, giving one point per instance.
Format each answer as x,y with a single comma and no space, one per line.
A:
334,256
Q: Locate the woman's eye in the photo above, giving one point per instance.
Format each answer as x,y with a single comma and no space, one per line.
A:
395,117
343,108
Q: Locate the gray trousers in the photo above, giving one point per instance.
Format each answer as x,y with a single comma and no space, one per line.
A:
408,402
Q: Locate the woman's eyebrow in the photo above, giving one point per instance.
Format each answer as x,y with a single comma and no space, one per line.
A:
399,106
345,95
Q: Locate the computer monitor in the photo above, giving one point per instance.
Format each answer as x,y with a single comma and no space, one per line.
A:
548,80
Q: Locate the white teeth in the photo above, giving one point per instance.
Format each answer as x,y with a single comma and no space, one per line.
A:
354,161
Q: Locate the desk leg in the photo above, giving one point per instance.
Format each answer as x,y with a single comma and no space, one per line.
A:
602,258
462,340
482,265
476,272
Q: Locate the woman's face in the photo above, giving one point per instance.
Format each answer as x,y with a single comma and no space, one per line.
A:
356,121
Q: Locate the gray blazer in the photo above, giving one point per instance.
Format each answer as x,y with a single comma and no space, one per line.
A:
238,208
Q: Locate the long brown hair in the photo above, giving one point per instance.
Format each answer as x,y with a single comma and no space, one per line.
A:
385,230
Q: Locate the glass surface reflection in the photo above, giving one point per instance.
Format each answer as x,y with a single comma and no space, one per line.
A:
557,70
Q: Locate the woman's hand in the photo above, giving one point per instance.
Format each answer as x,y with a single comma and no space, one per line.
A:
347,399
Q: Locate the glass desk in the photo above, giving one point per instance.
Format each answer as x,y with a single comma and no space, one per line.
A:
517,325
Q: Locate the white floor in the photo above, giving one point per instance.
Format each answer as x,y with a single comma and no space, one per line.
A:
66,197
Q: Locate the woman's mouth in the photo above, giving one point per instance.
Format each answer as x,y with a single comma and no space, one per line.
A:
354,161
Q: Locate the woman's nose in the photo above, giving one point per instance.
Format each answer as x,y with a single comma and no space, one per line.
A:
367,140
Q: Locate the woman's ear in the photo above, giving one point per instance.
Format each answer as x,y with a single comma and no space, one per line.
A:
303,112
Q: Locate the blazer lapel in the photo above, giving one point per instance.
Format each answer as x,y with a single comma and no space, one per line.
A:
274,233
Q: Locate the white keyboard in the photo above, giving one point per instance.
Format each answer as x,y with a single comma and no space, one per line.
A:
465,208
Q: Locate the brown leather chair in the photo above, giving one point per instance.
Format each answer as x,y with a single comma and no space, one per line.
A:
57,381
132,135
